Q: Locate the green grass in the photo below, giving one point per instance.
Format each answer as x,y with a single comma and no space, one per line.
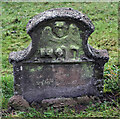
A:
111,79
7,89
104,16
105,109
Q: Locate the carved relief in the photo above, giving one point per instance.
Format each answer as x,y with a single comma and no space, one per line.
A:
59,52
57,36
46,52
60,29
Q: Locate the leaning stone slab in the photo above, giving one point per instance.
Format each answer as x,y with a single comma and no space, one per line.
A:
59,62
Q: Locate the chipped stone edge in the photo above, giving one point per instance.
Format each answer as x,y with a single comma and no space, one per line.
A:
67,13
99,54
20,55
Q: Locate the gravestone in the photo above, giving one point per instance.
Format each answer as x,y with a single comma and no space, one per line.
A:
59,62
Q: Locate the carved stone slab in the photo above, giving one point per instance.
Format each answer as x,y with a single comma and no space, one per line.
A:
59,62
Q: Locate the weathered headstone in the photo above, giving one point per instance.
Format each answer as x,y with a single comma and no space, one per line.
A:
59,62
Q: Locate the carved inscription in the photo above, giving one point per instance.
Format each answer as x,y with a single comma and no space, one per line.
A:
57,75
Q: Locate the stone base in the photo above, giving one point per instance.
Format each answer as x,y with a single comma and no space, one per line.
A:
63,102
18,103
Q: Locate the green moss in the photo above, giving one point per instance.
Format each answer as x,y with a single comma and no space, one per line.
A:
87,69
32,69
39,68
74,47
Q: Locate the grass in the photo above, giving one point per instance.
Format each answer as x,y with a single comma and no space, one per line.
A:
111,82
105,109
104,16
7,89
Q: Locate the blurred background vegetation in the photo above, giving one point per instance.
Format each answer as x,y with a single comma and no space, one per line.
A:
104,16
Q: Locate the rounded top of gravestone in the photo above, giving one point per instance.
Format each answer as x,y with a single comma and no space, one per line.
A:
60,14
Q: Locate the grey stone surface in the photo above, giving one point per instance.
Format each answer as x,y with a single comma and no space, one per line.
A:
63,102
17,102
59,62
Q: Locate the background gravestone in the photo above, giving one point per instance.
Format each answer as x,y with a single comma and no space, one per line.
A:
59,63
